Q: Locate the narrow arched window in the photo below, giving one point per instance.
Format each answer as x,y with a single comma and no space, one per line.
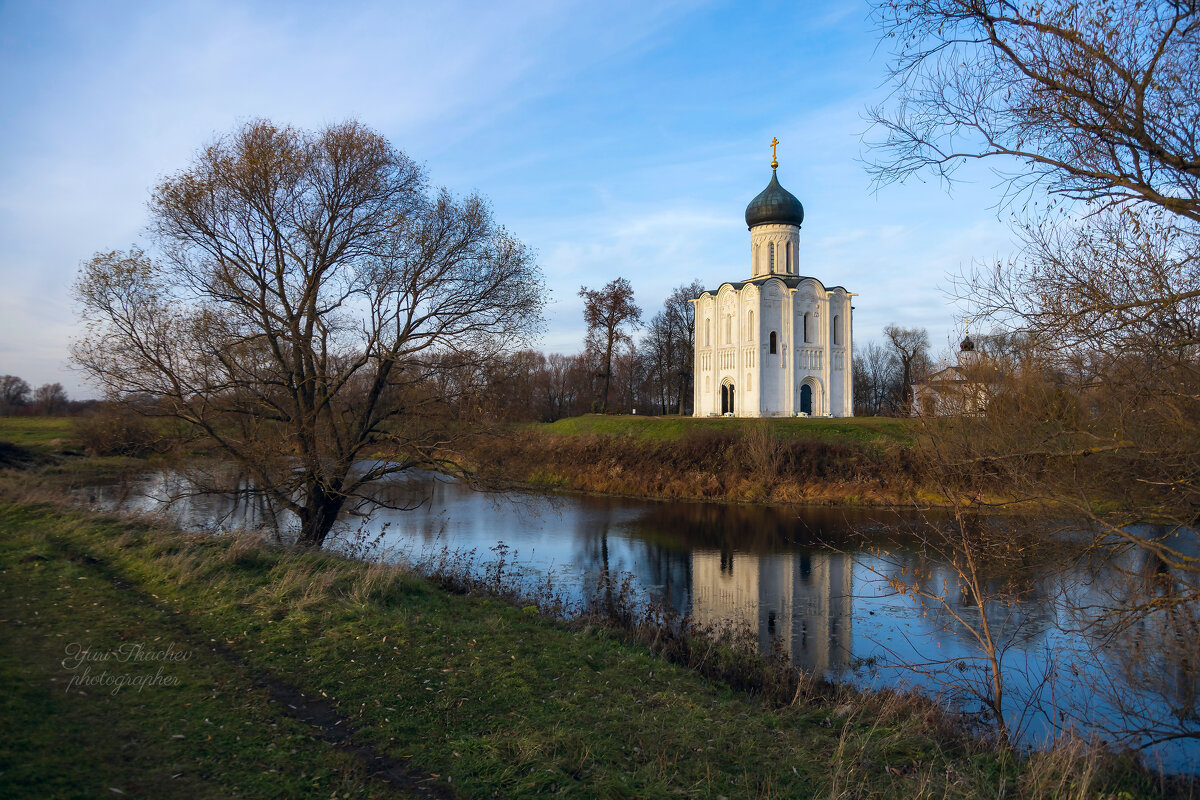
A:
707,332
754,261
787,257
771,256
749,326
774,346
807,322
837,338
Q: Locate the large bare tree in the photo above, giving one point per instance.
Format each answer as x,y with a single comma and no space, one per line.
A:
610,314
1090,115
307,291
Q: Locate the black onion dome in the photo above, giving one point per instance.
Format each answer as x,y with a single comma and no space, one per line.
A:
774,205
967,345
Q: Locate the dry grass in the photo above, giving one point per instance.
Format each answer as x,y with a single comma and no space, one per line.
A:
748,464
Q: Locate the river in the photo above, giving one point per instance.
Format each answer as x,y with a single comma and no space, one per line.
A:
813,581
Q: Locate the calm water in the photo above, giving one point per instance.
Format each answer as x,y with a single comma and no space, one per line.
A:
812,580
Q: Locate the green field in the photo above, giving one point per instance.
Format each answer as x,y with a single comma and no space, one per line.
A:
859,429
38,433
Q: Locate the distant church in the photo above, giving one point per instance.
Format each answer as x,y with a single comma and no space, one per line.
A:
963,388
778,343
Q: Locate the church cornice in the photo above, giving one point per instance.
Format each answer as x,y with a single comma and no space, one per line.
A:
790,281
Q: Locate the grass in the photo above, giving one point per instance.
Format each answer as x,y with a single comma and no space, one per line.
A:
210,733
875,430
481,697
44,434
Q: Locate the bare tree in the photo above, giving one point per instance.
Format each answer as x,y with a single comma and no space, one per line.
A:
566,384
14,394
669,347
610,314
877,380
1091,101
1098,410
911,349
308,293
50,398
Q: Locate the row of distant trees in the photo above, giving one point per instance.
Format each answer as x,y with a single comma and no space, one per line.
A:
620,371
18,397
615,371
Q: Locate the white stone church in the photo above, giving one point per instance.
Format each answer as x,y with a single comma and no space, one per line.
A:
777,343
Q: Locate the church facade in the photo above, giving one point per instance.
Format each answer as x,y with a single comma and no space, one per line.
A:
777,343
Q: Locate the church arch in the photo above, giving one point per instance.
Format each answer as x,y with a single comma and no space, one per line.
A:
727,397
774,344
812,400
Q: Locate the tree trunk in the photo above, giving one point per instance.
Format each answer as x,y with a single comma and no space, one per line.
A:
317,519
607,374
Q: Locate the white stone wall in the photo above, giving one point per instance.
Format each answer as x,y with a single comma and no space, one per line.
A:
841,401
812,328
774,303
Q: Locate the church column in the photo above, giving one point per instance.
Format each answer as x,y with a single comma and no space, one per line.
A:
790,394
848,366
826,334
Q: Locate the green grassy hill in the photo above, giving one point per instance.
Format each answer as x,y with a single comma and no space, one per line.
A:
858,429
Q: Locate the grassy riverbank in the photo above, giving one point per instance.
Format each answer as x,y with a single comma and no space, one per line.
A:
816,461
309,675
823,461
870,430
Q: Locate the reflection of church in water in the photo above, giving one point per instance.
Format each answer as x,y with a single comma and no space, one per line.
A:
801,599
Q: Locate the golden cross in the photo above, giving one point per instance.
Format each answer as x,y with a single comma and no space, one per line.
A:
774,162
967,321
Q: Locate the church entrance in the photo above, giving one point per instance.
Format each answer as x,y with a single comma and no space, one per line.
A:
727,398
806,405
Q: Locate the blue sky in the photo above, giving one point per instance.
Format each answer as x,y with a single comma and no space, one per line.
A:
617,139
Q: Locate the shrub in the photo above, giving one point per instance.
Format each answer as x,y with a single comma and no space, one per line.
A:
115,430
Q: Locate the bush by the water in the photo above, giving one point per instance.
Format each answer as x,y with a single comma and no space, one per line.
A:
118,431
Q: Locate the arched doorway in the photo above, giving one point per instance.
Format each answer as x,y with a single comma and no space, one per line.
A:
727,398
806,399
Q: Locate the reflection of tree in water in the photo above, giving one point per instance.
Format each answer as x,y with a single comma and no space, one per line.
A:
758,529
1022,612
201,498
1140,614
